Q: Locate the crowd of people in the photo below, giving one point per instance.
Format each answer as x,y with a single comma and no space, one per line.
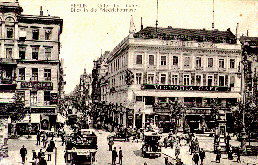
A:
47,148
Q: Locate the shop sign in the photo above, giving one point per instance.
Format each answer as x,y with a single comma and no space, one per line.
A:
43,110
185,88
161,110
178,43
54,98
36,85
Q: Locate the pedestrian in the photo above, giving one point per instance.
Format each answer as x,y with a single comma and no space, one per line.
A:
110,144
177,151
23,153
230,154
49,150
202,155
218,156
42,161
120,154
36,161
40,154
63,138
38,138
34,154
196,158
166,160
114,155
165,141
238,154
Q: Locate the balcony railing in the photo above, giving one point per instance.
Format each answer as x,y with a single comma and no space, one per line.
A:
7,61
7,81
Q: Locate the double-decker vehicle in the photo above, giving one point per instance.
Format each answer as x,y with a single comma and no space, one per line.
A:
81,148
151,146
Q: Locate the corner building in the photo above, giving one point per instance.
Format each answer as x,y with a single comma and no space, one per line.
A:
153,67
31,43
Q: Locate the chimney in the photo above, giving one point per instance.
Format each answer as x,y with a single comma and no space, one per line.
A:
141,24
41,11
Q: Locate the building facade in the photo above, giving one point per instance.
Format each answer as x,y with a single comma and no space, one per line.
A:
189,68
30,46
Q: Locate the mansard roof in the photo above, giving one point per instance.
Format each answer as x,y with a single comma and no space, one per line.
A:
199,35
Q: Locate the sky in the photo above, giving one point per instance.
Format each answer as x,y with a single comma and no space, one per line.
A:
93,28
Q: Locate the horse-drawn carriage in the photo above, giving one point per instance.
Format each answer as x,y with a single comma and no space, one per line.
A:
151,146
81,149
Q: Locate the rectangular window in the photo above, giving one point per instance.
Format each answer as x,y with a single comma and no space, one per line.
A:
186,79
198,62
47,74
35,34
48,53
221,81
138,78
210,79
232,81
198,80
34,74
187,62
9,53
35,53
163,60
210,62
174,80
150,78
151,59
47,97
139,59
221,63
232,63
163,78
175,60
22,53
48,33
33,98
9,33
139,98
21,73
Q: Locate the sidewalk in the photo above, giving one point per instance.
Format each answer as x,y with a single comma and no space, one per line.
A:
207,144
30,144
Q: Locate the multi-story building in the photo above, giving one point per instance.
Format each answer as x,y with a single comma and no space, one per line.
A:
85,90
30,47
157,66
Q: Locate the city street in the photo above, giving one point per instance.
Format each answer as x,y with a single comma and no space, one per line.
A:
131,152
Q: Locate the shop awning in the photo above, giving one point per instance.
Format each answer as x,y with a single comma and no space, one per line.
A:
7,97
26,119
35,118
188,94
60,118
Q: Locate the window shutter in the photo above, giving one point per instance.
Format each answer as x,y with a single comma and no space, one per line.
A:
215,79
204,79
226,80
192,78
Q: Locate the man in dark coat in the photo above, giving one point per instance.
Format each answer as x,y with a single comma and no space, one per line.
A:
23,153
38,138
120,155
202,156
42,161
196,158
114,155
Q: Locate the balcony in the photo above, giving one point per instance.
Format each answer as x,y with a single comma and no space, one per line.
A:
7,84
198,68
7,61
